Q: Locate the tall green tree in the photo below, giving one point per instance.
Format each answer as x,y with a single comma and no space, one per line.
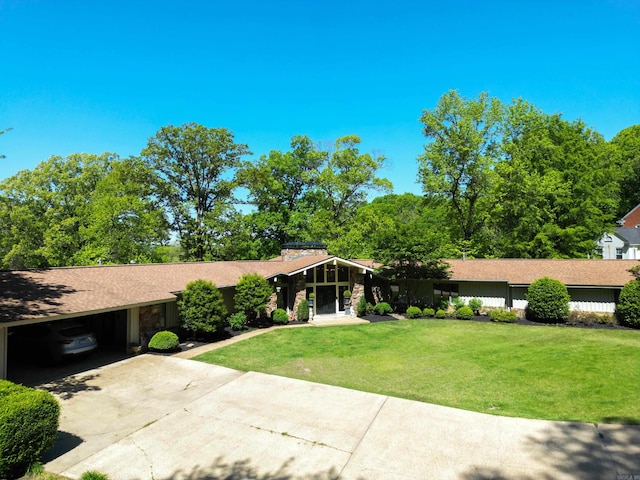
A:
197,168
457,162
282,191
77,210
344,182
124,220
555,188
627,149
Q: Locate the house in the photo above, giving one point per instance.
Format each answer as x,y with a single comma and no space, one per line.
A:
593,285
624,242
127,304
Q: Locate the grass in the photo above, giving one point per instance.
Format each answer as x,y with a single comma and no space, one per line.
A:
553,373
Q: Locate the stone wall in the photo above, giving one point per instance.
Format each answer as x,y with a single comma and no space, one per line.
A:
151,321
299,286
356,280
291,253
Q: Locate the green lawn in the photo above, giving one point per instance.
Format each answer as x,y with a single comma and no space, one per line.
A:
553,373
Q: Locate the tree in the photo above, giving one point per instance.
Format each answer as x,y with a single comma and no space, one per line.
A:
281,188
344,182
252,295
627,145
457,163
628,308
77,210
124,221
202,308
197,166
554,188
547,300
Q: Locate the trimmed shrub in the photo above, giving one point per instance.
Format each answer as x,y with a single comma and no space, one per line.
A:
201,308
253,292
413,312
441,314
475,304
548,301
93,475
302,312
237,321
428,312
628,308
369,308
361,308
458,303
28,426
382,308
164,341
280,316
464,313
346,294
501,315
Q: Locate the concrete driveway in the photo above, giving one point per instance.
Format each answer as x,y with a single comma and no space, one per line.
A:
156,417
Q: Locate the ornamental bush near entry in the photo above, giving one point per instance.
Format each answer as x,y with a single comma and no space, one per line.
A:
382,308
252,295
302,312
628,308
413,312
548,301
164,341
280,316
28,426
429,312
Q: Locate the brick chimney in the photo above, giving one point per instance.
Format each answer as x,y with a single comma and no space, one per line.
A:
293,250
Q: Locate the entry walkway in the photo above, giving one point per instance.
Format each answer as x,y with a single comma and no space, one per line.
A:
163,417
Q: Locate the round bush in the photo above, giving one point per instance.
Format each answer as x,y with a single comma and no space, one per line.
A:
464,313
164,341
202,308
428,312
382,308
414,312
628,309
28,426
280,316
548,301
237,321
441,314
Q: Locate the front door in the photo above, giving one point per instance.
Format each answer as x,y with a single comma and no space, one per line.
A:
325,300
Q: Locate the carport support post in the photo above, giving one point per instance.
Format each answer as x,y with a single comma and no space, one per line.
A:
133,327
4,346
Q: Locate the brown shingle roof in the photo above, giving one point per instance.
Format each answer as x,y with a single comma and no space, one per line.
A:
572,272
72,290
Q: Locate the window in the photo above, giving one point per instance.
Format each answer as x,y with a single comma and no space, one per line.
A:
309,275
599,252
331,273
320,274
343,274
618,254
445,291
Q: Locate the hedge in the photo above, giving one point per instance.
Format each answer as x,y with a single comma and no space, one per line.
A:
28,426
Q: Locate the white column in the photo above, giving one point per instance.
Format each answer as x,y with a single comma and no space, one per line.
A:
133,325
4,346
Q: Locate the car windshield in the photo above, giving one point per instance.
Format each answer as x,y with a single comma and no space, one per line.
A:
75,331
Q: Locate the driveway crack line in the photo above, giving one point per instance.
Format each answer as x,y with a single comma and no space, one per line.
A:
364,434
144,453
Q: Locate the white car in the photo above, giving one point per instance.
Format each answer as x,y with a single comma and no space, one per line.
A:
57,339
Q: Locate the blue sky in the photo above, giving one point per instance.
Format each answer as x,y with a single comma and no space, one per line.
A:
96,76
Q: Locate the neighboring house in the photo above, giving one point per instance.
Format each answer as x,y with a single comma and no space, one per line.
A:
594,285
127,304
624,242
